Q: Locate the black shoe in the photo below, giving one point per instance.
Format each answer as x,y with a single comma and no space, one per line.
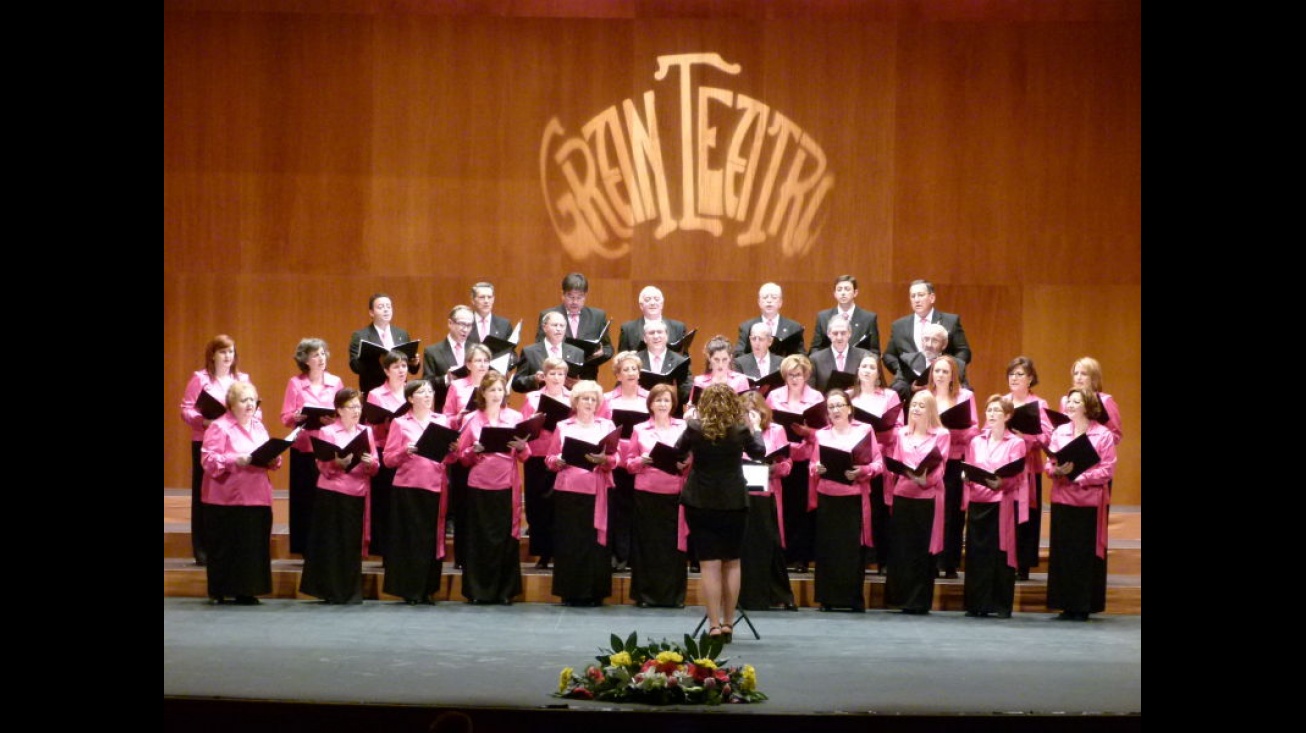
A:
1065,616
412,601
916,611
1003,614
826,608
246,601
973,614
1023,574
216,600
790,607
950,575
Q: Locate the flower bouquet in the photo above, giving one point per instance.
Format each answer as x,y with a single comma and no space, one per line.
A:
662,673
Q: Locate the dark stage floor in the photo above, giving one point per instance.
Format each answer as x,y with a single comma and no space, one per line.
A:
830,671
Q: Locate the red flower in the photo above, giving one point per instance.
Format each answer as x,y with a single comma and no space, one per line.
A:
581,693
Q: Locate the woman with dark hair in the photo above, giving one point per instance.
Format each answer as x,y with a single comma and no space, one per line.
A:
313,387
991,513
1086,374
922,445
659,574
720,367
537,477
217,376
715,496
492,565
1080,507
795,397
763,577
417,502
333,565
842,501
1022,377
238,501
871,396
582,566
945,385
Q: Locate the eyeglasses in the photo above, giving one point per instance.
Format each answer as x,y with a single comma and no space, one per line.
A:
352,407
1017,374
463,324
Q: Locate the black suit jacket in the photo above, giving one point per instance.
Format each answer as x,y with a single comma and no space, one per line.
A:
368,382
532,361
902,340
823,365
716,478
916,361
783,327
670,361
864,322
500,327
591,323
632,333
747,365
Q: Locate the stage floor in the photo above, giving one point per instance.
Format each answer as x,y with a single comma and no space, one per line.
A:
808,662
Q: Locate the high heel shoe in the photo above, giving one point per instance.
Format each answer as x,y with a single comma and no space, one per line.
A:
727,633
714,632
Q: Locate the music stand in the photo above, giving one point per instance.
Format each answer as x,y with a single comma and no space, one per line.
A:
743,616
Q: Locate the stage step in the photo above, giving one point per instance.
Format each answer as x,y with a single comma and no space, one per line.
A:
182,578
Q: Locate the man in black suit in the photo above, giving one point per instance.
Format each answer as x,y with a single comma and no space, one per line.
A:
650,307
487,324
759,361
583,322
865,327
379,331
838,356
657,358
935,339
530,372
905,335
448,353
769,299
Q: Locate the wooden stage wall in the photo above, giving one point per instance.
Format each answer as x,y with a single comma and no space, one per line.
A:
317,152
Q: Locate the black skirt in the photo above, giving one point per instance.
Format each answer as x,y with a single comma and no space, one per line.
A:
800,524
954,517
990,583
910,581
303,487
1076,575
659,572
621,514
840,577
717,534
538,498
412,570
492,565
239,549
763,579
582,568
1029,534
379,520
333,567
881,534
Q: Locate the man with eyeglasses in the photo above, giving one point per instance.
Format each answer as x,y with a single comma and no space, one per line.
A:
449,353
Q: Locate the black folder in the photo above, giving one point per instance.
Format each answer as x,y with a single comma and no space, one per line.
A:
263,455
647,379
495,439
435,441
209,406
374,414
879,423
554,410
1026,419
628,419
814,417
1058,418
665,458
909,374
778,454
840,380
930,462
327,451
682,346
981,475
957,417
791,344
767,383
590,345
838,460
370,353
1080,452
315,415
574,449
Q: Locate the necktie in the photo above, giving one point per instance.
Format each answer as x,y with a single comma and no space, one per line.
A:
575,324
458,353
553,351
771,325
838,361
657,364
386,341
484,329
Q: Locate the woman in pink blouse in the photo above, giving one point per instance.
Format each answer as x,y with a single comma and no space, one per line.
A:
1022,377
238,501
991,557
1086,373
492,564
333,566
720,367
1080,509
217,376
945,385
390,395
871,396
659,572
796,396
314,386
842,504
417,502
917,506
457,405
764,579
538,479
629,396
582,568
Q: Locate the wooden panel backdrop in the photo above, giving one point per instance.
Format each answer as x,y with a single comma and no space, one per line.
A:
317,152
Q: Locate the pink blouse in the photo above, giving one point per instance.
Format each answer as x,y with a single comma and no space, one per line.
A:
1090,487
201,381
819,484
577,480
911,449
354,482
226,483
777,400
301,392
988,455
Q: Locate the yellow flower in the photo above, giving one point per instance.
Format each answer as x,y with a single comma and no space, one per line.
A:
705,663
669,656
564,679
620,659
750,679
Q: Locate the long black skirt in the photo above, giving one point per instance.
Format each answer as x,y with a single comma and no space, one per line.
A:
763,578
621,515
840,578
582,568
1076,575
990,582
954,517
379,520
492,566
303,487
538,497
197,504
800,524
1029,534
456,485
333,566
881,534
239,542
412,571
910,581
659,572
